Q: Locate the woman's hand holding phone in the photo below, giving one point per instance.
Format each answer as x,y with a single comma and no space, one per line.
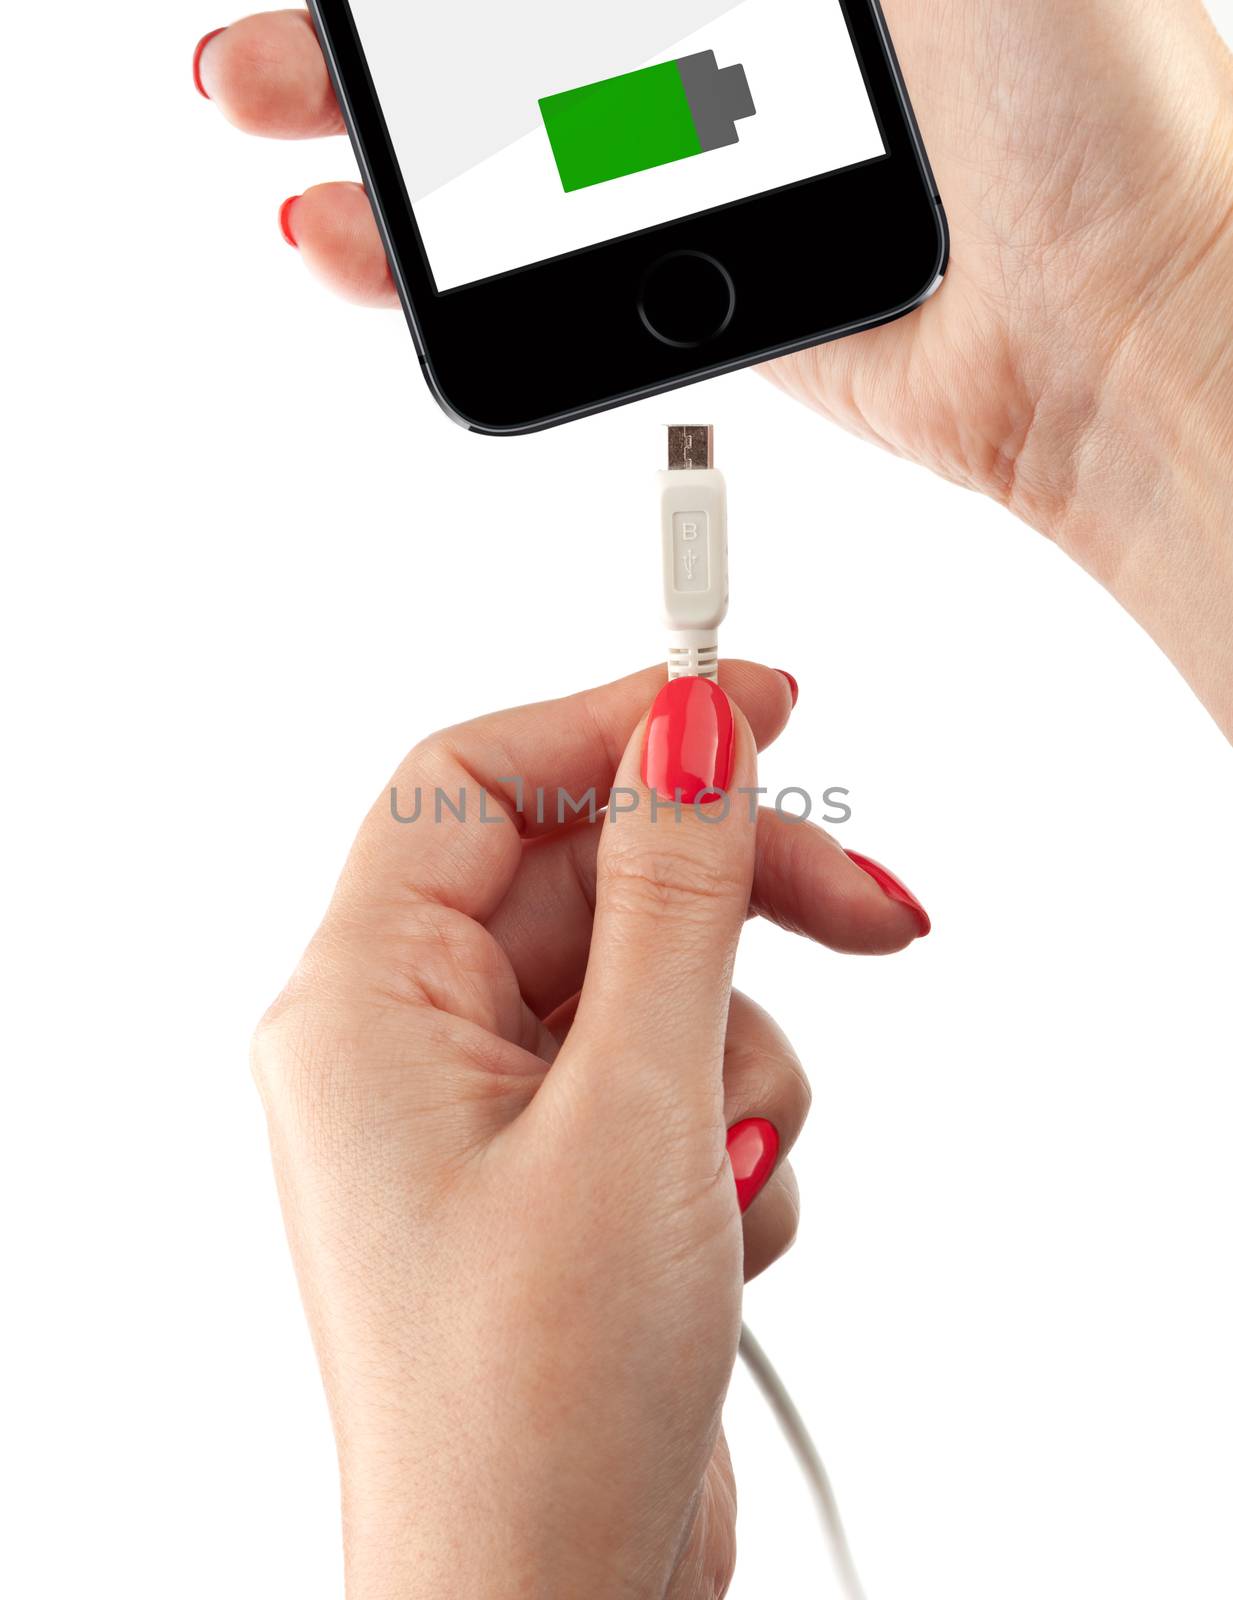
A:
1077,365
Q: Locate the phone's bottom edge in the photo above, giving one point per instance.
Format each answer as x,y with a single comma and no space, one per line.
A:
719,370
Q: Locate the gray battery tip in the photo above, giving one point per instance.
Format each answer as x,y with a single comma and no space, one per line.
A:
717,99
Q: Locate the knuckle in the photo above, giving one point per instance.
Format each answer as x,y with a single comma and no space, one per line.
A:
431,756
779,1223
302,1042
800,1091
430,954
281,1047
660,881
762,1078
788,1230
308,1066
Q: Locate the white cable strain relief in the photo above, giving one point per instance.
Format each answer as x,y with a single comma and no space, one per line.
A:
693,653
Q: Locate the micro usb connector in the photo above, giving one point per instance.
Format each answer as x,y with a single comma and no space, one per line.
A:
693,505
691,446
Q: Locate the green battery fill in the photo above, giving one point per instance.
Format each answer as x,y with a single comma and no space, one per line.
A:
644,119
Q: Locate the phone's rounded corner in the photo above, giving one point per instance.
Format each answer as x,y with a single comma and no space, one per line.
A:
457,417
450,407
943,258
935,273
486,427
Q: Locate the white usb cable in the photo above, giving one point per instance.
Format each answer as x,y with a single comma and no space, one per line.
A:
775,1393
693,513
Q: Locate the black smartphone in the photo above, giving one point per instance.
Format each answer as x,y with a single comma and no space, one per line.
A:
582,206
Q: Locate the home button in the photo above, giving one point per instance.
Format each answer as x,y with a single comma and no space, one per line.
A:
686,298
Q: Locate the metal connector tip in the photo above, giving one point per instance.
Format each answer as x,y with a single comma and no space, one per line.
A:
690,446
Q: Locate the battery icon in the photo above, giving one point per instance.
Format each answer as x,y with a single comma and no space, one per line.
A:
645,119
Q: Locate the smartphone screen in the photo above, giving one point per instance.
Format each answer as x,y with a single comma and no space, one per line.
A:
533,131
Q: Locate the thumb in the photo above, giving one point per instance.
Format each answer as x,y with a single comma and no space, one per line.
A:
673,881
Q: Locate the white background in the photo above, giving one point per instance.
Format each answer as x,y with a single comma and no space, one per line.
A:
230,510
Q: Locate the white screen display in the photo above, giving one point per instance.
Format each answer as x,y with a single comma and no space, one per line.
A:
525,132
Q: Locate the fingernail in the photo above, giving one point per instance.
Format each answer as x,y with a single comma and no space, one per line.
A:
793,686
752,1148
284,221
689,740
890,885
197,55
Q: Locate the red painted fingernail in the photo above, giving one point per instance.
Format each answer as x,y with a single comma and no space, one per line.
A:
752,1148
890,885
197,55
284,221
793,686
689,740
